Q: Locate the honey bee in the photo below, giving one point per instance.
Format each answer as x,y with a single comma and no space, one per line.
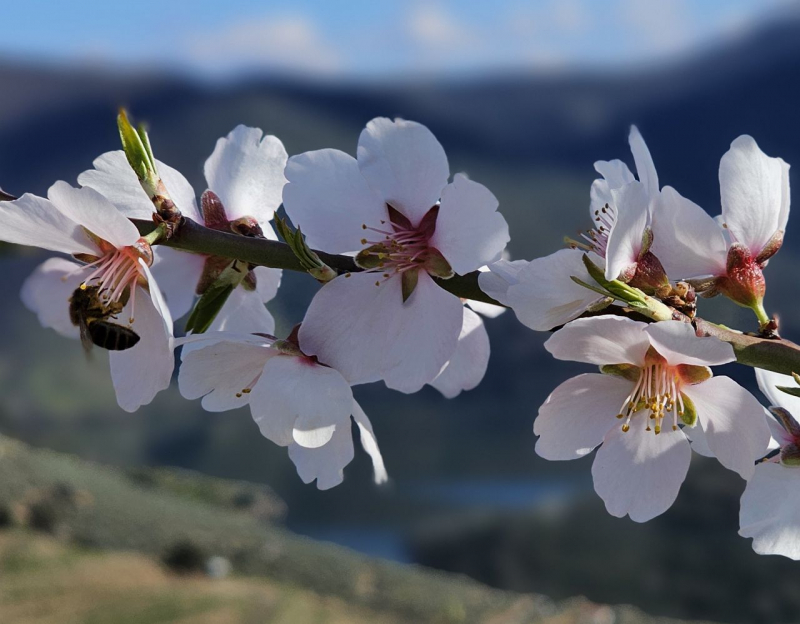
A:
90,314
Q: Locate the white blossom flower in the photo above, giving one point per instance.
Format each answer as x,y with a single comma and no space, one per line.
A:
245,181
733,249
393,205
657,390
115,273
295,401
770,506
542,293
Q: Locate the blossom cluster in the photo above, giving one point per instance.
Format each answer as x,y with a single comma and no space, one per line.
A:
655,399
622,297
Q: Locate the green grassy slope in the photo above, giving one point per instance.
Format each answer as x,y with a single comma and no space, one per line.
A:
91,509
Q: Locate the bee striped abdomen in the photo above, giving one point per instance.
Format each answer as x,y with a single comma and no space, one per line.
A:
112,336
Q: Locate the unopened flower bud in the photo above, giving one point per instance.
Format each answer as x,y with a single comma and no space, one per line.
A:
744,281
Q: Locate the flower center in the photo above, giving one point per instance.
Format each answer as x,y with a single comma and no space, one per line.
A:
398,247
657,392
116,275
596,239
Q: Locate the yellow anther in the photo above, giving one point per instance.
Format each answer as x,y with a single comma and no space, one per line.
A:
246,390
83,286
674,427
238,395
658,429
620,415
626,428
363,241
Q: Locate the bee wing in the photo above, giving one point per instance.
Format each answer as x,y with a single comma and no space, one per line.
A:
86,337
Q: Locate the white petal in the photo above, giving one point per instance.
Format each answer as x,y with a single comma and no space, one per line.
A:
113,178
645,168
614,172
687,241
404,163
679,344
489,310
244,312
370,444
697,437
601,340
466,368
770,510
754,190
733,422
246,172
735,425
496,281
639,473
768,382
625,238
220,371
368,333
177,273
578,414
469,231
329,199
296,400
545,295
143,371
88,208
325,464
267,283
47,293
35,221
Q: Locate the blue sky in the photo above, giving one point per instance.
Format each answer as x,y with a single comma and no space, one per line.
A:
370,38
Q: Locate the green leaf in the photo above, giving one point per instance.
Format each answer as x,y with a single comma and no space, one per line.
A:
215,296
792,391
689,413
135,151
409,279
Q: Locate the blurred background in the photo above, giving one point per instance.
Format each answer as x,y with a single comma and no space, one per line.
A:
524,96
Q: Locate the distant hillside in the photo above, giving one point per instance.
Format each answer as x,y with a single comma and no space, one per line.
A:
91,508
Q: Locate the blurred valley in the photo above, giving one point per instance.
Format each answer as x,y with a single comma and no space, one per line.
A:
468,494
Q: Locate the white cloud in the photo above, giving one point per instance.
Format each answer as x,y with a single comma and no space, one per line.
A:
286,42
658,26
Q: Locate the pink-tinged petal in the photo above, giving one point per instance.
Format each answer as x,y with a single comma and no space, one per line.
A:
246,172
177,273
296,400
143,371
267,283
578,414
600,340
329,199
678,343
366,331
469,231
88,208
497,279
219,372
770,510
244,312
326,463
545,296
47,292
404,163
466,368
733,422
768,382
625,239
638,473
35,221
687,241
113,178
370,444
754,190
645,168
